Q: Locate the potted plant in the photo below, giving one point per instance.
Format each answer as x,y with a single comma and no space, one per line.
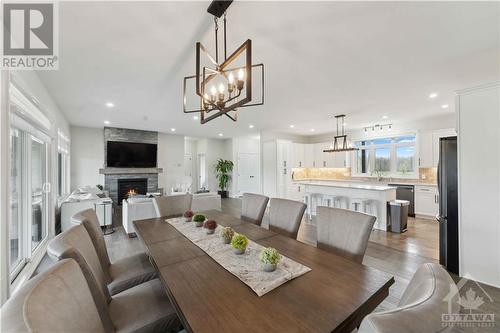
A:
227,234
199,219
188,216
223,168
239,243
270,257
211,225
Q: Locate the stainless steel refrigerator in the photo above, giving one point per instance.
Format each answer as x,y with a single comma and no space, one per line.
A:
448,204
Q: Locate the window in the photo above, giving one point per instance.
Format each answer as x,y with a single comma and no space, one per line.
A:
392,156
15,228
62,164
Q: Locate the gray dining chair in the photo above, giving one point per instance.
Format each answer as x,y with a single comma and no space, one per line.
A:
253,207
430,294
172,205
285,216
124,273
344,232
143,308
57,300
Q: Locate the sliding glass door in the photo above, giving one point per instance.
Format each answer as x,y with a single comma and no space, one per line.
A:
38,191
28,197
16,202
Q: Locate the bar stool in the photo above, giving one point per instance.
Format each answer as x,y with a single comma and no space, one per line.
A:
340,202
328,200
370,207
358,204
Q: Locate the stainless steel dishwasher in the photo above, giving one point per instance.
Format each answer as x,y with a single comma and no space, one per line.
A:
406,192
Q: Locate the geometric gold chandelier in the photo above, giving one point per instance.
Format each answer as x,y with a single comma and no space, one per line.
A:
220,88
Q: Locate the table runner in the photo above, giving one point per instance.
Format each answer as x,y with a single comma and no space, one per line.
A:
246,267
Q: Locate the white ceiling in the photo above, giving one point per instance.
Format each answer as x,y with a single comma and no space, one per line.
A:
363,59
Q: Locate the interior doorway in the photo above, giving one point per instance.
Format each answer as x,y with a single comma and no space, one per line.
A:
248,173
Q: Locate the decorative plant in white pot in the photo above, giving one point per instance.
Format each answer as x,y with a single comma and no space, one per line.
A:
270,257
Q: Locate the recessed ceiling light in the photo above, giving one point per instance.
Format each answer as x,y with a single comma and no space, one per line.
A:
385,117
172,129
312,130
195,117
292,126
251,126
106,122
433,95
110,105
444,106
220,134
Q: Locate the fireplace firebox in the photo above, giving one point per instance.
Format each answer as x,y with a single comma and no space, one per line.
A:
131,186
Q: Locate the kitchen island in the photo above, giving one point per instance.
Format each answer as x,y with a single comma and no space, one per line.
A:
378,195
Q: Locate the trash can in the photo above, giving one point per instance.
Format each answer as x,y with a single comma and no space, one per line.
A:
397,215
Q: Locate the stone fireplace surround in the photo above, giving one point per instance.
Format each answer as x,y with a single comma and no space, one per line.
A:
112,175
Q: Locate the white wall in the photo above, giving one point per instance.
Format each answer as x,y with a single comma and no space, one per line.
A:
213,150
171,159
479,183
87,146
87,156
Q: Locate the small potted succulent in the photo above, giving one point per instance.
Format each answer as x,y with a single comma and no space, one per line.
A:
188,216
239,243
227,234
270,257
211,225
198,220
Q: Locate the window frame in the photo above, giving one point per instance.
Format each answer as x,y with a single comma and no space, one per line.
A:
393,145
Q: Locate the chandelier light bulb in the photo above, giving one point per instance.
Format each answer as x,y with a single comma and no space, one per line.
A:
205,96
230,78
241,74
221,88
213,91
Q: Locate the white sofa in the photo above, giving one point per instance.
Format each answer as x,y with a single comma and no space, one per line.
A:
82,199
134,209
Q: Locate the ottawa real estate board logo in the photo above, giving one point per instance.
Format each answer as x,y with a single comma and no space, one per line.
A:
30,39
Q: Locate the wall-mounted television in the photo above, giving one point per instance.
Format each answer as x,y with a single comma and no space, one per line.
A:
131,155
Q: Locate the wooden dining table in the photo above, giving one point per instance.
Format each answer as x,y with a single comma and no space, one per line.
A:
333,297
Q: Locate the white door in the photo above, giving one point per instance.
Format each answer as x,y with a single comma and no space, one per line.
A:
248,173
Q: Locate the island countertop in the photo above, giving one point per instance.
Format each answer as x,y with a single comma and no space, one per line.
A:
358,186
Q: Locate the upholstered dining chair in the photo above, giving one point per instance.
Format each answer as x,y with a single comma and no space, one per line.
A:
253,207
344,232
285,216
430,294
57,300
172,205
143,308
121,274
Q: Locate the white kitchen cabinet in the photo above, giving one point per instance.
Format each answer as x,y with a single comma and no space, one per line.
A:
428,146
284,169
309,155
298,155
322,159
296,192
425,150
340,160
436,135
426,201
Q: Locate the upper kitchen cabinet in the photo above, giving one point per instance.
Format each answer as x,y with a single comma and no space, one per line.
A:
425,150
428,146
436,135
298,155
322,159
309,155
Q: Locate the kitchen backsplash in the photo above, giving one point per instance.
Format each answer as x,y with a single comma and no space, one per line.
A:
426,175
